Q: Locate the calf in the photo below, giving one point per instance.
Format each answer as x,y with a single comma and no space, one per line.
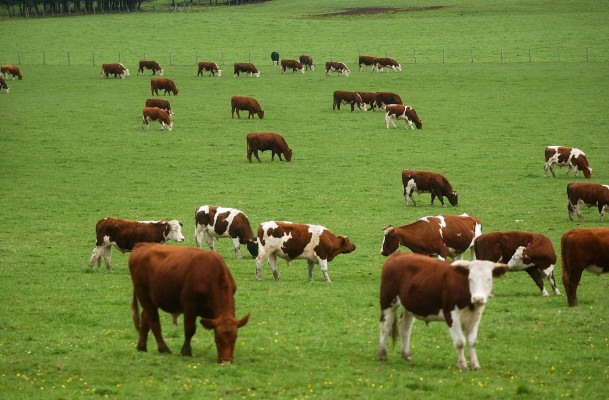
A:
156,114
149,64
574,159
115,69
583,249
167,85
124,235
239,103
588,194
384,98
247,68
380,63
160,103
442,236
352,98
184,280
338,67
212,67
521,251
262,141
4,85
290,241
294,65
428,182
11,69
367,61
307,62
433,290
215,222
401,111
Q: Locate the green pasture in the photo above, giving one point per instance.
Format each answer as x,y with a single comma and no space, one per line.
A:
72,151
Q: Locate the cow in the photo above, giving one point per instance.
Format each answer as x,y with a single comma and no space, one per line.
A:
275,57
184,280
307,62
125,234
583,249
338,67
115,69
4,85
294,65
212,67
239,103
442,236
573,158
401,111
588,194
156,114
247,68
369,98
212,222
380,63
167,85
291,241
367,61
11,69
432,290
160,103
384,98
149,64
521,251
262,141
428,182
352,98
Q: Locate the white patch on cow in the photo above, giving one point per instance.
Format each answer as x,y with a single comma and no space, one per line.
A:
595,269
576,153
515,263
219,72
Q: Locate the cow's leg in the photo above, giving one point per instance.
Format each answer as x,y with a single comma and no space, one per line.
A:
406,324
190,327
107,253
256,155
237,247
210,240
535,274
310,265
387,325
601,211
456,333
549,274
142,342
155,326
273,265
570,282
471,337
199,234
96,256
324,270
259,262
569,168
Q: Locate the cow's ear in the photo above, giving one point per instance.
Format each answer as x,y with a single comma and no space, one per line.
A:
499,270
461,263
208,323
243,321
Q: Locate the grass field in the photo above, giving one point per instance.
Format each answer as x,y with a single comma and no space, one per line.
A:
72,151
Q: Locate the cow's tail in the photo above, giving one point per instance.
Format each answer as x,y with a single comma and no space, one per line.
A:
135,313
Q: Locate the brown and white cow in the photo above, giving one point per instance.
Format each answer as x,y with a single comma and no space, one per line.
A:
262,141
214,222
151,65
183,280
338,67
240,103
433,290
583,249
428,182
291,241
212,67
167,85
573,158
294,65
160,103
402,111
521,251
367,61
352,98
382,62
4,85
125,234
7,69
156,114
587,194
368,98
247,68
115,69
442,236
307,62
384,98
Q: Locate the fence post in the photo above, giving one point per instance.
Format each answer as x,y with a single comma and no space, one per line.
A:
119,57
93,58
249,56
558,52
69,58
471,51
414,53
19,57
443,56
223,57
529,55
501,55
44,58
587,54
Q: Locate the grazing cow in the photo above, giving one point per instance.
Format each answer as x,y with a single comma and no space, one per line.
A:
433,290
156,114
384,98
160,103
338,67
239,103
588,194
115,69
184,280
124,234
262,141
442,236
215,222
247,68
573,158
167,85
380,63
401,111
428,182
212,67
367,61
369,98
11,69
583,249
4,85
149,64
290,241
294,65
531,252
275,57
351,98
307,62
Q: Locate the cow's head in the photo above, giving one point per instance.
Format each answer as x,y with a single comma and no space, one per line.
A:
252,247
411,114
174,231
346,71
225,332
453,198
288,155
345,245
219,71
260,114
390,241
161,72
480,276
